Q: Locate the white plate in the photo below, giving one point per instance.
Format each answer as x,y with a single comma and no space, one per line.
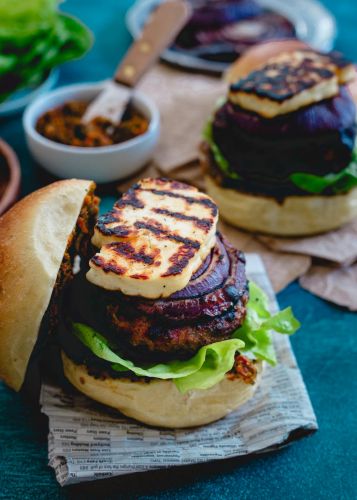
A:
314,24
22,97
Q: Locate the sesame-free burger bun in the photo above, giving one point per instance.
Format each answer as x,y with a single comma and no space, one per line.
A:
258,55
33,239
158,402
293,216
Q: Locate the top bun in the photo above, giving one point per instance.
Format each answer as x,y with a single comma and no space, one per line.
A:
33,238
258,55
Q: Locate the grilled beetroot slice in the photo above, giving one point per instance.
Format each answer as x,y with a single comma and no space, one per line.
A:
329,115
211,294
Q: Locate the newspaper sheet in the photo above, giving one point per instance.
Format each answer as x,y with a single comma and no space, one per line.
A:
87,442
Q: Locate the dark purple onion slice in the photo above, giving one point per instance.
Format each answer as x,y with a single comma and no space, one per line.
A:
203,267
328,115
213,277
212,294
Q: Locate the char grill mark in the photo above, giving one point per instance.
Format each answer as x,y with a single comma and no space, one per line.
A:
157,229
179,261
112,217
127,250
130,199
201,223
108,267
200,201
181,258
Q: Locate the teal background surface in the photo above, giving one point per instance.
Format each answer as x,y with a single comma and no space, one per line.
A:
320,467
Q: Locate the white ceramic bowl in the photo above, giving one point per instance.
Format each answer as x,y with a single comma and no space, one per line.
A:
101,164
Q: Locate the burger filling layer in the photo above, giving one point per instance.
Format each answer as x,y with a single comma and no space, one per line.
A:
196,337
211,324
309,149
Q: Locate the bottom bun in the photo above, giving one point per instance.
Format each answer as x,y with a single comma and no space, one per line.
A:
294,216
158,402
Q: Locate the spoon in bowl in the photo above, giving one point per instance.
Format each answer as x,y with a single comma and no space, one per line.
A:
161,28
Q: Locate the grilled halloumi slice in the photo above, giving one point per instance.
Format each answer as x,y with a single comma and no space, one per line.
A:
290,81
154,239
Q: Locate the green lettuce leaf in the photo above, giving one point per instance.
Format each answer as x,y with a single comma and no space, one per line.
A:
212,362
34,38
204,370
22,19
342,182
255,331
221,161
74,39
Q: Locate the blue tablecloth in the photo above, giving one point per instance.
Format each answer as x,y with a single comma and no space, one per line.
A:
323,466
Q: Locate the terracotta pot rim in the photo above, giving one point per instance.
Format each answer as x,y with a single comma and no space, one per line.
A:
13,186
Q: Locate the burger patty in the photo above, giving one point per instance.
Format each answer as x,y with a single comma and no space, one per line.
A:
143,330
264,152
152,335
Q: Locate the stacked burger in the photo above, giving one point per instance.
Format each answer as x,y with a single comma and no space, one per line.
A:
279,153
160,322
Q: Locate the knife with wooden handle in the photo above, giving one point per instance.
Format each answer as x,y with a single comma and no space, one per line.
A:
159,31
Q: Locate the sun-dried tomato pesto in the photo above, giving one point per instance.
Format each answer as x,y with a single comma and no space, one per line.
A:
243,368
64,125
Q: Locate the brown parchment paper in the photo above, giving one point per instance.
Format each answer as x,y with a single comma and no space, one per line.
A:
282,268
335,284
185,101
338,246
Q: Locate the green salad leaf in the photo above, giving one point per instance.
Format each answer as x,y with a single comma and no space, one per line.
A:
255,331
211,362
74,39
34,38
342,182
221,161
22,19
203,370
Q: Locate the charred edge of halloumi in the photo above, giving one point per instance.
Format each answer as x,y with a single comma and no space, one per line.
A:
155,237
290,81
